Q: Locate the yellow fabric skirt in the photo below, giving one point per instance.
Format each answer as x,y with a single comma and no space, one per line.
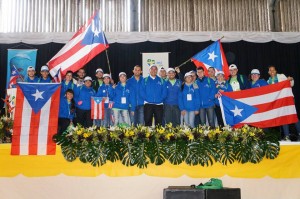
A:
286,165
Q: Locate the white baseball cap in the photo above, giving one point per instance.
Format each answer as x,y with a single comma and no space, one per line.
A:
170,70
44,68
88,78
30,68
219,73
152,66
106,75
99,70
122,73
255,71
187,74
232,66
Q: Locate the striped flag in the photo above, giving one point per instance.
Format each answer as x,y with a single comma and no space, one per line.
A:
97,110
88,42
263,107
57,77
212,56
36,118
13,77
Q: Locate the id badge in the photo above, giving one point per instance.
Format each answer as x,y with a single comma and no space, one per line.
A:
123,100
107,100
189,97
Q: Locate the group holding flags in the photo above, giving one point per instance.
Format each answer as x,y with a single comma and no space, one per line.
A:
42,102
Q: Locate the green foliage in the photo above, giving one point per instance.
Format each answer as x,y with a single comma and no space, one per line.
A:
139,146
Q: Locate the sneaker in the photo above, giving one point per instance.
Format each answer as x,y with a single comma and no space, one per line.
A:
286,139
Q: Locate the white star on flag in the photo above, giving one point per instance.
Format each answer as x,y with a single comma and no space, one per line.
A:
38,95
237,111
212,56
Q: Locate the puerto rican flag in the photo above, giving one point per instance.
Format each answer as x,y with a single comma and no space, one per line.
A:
13,77
212,56
262,107
36,118
97,109
88,42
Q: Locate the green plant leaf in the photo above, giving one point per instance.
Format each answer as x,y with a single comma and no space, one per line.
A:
156,151
177,151
225,152
200,153
69,152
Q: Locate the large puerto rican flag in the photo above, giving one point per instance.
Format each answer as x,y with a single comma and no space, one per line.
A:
88,42
97,109
212,56
263,107
36,118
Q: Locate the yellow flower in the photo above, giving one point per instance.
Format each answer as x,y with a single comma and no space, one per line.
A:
168,136
190,136
161,130
79,132
217,130
252,134
147,134
131,133
86,135
101,130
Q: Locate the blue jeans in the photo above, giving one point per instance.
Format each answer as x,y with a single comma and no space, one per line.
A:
138,117
107,117
172,114
286,129
209,112
188,119
97,122
120,116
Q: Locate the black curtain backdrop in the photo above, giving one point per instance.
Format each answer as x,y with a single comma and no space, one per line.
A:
246,55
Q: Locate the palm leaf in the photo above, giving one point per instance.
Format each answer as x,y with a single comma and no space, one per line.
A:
225,152
69,152
200,153
271,149
177,151
156,151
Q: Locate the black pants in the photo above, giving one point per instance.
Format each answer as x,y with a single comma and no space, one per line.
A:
83,117
219,116
151,110
63,124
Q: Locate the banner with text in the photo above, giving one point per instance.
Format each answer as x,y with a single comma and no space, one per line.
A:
159,59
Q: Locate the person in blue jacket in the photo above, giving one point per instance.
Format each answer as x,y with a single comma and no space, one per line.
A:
171,108
45,77
207,90
134,83
256,82
122,97
67,83
83,96
153,91
106,91
31,78
221,86
189,101
66,111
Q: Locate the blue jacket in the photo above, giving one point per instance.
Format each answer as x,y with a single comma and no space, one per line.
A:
207,90
136,87
105,91
153,91
65,87
172,92
35,80
120,92
189,103
83,94
65,109
259,83
225,86
42,80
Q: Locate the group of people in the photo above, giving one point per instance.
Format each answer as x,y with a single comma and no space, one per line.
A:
164,96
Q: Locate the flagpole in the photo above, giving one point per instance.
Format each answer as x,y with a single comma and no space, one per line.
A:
18,73
108,63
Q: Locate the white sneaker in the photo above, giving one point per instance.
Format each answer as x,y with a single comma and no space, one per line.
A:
286,139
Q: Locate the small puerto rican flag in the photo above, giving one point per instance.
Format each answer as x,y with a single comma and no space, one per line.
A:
97,111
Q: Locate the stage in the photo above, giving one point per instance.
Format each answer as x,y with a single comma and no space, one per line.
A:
54,177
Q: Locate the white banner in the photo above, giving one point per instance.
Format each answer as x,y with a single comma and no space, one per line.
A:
159,59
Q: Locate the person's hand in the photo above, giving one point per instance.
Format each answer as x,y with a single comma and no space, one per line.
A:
196,112
103,99
290,78
132,113
183,112
114,86
79,103
112,81
177,69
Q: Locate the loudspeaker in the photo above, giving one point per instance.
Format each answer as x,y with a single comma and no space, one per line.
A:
225,193
184,193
